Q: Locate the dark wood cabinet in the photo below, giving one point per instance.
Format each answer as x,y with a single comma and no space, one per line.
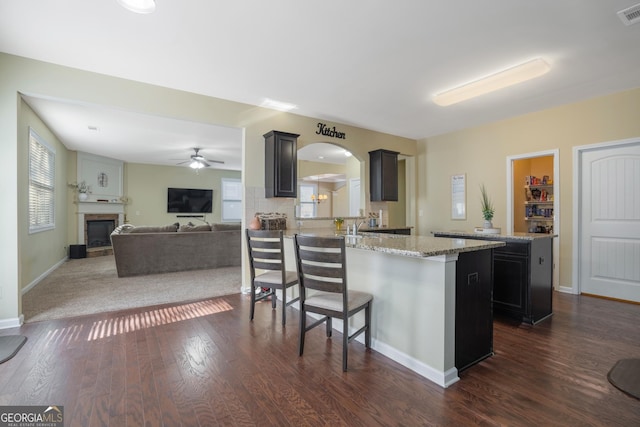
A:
523,277
281,164
474,315
383,175
523,285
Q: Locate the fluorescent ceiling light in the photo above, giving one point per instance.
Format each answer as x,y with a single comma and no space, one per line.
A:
138,6
277,105
502,79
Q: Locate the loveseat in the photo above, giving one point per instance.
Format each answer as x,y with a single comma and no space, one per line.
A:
153,250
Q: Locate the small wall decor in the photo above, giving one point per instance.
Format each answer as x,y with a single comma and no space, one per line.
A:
459,196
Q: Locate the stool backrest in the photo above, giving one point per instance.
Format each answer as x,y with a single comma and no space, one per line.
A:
265,250
321,263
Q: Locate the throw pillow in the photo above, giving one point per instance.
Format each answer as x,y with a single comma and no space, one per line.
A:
193,227
122,229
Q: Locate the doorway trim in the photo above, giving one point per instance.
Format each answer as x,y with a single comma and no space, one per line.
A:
578,151
556,205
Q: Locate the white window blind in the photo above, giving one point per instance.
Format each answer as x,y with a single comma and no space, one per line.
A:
42,166
231,200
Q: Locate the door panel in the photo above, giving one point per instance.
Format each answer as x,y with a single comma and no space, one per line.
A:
610,222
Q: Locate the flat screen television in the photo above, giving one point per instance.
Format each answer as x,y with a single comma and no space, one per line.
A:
189,200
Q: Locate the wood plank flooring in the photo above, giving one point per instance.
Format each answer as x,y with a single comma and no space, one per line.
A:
205,364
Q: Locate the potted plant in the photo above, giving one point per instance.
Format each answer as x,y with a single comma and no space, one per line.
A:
338,222
83,190
487,208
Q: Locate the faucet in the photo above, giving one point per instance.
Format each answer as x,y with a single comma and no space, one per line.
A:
356,226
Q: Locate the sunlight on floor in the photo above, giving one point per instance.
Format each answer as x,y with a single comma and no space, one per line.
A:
149,319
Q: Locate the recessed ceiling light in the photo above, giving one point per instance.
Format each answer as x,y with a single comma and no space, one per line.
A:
277,105
518,74
138,6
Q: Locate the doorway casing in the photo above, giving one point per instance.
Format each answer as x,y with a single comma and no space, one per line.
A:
555,153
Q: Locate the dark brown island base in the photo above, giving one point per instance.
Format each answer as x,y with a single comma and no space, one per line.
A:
523,273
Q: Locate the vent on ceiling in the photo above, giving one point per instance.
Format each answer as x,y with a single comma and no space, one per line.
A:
630,15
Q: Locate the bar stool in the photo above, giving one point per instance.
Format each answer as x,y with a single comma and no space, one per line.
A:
321,265
266,253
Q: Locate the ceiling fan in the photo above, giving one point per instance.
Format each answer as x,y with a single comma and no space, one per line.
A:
198,161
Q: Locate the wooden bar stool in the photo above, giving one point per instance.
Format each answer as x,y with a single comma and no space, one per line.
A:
266,253
321,264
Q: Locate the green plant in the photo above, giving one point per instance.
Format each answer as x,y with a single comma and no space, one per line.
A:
487,205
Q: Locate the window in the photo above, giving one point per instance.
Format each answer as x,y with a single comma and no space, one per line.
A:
42,173
307,205
231,200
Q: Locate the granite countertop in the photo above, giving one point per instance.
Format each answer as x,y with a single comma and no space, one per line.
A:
366,228
412,246
501,236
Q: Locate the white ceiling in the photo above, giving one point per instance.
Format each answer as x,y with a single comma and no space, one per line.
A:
368,63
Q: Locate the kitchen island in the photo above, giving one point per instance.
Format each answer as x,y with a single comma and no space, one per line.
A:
415,315
523,281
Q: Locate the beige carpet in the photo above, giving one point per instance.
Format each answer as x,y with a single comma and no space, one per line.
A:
91,285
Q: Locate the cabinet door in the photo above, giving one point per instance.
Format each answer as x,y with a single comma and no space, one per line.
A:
281,163
474,319
541,286
383,175
511,276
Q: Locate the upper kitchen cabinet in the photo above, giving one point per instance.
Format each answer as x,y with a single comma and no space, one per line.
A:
383,175
281,162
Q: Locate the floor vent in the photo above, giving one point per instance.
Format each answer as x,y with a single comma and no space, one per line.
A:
630,15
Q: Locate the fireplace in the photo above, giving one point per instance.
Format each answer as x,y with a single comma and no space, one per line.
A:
97,233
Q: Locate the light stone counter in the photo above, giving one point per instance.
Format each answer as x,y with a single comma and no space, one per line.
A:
501,236
413,283
398,244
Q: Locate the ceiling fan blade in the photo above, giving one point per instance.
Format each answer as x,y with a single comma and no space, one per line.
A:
182,163
215,161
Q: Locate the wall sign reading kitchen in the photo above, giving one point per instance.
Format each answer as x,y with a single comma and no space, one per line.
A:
325,130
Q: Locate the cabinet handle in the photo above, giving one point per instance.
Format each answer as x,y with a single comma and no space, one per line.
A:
472,278
541,260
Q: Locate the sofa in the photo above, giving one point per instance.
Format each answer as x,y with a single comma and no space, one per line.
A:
152,250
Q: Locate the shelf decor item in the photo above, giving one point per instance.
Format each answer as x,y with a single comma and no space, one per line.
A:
83,190
487,208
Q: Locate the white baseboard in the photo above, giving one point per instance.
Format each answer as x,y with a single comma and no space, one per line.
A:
42,276
15,322
443,379
566,290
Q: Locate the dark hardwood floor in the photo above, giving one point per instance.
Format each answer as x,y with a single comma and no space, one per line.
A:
205,364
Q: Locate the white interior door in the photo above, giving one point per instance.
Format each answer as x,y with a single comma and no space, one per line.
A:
610,222
354,197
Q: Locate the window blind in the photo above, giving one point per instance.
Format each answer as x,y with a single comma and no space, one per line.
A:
42,158
231,200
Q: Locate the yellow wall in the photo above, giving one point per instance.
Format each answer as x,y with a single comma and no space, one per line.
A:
146,188
43,250
481,153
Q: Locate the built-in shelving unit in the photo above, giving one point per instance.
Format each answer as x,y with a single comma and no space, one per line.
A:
539,205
